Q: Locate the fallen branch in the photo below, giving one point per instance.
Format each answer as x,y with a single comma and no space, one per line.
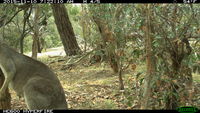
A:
69,62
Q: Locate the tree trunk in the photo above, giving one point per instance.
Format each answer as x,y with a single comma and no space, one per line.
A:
149,60
108,43
35,32
5,103
21,39
121,83
177,56
83,25
65,29
21,42
172,97
23,34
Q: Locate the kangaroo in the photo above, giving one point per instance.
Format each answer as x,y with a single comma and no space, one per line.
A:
30,79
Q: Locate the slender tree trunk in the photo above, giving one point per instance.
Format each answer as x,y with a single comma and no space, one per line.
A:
108,43
23,34
84,35
121,83
36,32
149,60
21,45
65,29
21,40
6,103
102,28
84,27
39,45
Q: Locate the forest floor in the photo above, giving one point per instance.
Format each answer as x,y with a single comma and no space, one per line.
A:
96,87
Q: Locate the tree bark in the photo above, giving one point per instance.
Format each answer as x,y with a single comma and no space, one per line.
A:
65,29
149,60
84,27
35,32
108,43
121,83
5,103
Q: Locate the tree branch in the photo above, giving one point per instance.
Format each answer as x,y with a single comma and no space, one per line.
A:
1,25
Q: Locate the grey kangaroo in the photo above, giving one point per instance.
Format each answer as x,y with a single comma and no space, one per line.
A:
30,79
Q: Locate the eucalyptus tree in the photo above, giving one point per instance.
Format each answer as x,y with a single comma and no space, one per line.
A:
115,23
102,15
174,26
65,29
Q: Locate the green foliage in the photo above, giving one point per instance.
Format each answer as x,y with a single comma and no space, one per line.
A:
127,22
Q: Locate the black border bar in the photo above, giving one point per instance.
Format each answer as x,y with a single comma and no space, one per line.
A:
143,1
99,1
88,111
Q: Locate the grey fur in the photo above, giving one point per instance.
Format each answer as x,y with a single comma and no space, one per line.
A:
31,79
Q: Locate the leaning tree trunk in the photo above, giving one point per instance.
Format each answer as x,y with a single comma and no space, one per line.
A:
36,32
23,34
5,103
108,43
149,60
65,29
